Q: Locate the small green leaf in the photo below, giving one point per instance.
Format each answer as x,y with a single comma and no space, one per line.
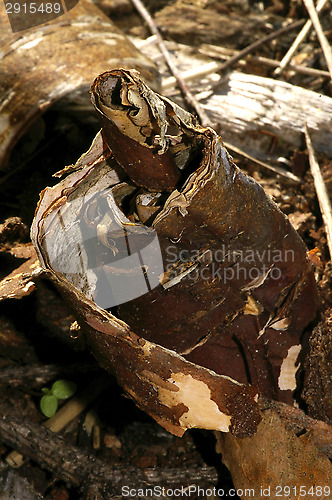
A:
46,390
63,389
49,405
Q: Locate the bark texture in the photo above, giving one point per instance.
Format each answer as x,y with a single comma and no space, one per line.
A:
83,469
222,322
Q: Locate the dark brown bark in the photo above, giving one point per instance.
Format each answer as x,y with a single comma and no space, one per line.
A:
317,391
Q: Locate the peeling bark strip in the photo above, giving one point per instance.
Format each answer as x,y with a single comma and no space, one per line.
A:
190,283
59,58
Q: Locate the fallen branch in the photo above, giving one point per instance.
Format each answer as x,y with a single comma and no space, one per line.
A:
296,420
276,458
244,104
81,468
93,44
21,282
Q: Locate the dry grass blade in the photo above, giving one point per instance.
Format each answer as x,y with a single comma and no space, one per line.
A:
322,38
298,40
277,170
322,194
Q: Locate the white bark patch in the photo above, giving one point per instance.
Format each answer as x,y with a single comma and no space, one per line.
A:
28,287
287,380
281,324
202,412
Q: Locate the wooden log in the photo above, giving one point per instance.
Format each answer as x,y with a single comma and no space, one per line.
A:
244,104
62,57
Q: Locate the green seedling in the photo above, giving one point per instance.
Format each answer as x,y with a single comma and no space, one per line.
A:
61,389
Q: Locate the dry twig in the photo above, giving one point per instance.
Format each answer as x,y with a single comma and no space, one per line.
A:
322,194
322,38
216,52
255,45
187,95
190,74
298,40
276,169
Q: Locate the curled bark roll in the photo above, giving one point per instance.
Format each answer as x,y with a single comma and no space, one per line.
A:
229,290
60,58
130,127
